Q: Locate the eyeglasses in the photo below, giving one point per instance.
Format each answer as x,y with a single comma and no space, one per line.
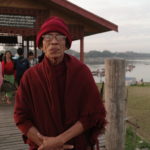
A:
50,37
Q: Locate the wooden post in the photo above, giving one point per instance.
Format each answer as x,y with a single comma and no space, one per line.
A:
28,46
82,49
35,50
115,103
22,42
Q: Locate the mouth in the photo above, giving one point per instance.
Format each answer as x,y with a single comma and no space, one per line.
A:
54,50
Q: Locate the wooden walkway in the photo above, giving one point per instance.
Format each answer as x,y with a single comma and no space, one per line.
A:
10,137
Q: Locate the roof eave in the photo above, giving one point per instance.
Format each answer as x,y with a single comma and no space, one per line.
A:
86,14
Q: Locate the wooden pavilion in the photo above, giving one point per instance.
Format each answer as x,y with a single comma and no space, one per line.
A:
24,18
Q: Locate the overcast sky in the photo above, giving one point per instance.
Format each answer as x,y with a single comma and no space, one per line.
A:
133,19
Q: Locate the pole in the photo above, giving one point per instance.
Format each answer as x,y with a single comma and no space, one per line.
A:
115,103
82,49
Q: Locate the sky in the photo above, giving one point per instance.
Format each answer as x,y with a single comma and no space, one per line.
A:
132,18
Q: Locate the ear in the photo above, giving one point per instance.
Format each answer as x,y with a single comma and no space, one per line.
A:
65,46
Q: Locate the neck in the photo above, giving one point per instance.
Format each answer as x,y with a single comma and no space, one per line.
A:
8,59
56,61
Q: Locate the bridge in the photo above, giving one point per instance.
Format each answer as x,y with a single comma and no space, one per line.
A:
10,136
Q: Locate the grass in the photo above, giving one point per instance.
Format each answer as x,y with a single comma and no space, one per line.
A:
138,107
133,141
138,112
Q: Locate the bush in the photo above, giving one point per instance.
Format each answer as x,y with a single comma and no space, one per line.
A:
133,141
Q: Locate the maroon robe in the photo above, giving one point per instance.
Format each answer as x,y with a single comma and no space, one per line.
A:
53,101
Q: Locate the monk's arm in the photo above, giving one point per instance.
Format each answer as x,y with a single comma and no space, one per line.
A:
72,132
32,134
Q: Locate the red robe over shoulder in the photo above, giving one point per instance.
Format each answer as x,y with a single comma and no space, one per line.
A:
52,106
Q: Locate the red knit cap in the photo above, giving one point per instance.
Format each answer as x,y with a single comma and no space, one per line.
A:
54,24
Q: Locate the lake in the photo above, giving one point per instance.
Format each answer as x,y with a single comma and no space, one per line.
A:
141,70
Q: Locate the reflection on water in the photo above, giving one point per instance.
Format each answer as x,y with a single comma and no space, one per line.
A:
141,70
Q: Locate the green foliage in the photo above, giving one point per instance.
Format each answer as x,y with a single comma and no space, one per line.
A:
73,53
107,53
138,111
133,141
130,143
138,105
97,56
93,54
145,84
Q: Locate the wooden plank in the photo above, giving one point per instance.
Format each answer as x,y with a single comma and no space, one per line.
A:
10,136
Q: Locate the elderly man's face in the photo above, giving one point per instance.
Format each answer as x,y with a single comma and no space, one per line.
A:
54,45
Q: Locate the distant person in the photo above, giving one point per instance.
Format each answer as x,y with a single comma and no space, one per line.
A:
16,56
8,73
58,105
21,65
32,60
141,81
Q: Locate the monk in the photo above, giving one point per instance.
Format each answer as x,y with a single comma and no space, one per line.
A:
58,105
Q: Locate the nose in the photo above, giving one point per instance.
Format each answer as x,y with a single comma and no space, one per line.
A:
54,40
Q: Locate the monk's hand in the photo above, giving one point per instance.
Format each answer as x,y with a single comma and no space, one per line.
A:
53,143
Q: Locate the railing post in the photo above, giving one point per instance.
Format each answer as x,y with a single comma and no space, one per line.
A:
115,103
